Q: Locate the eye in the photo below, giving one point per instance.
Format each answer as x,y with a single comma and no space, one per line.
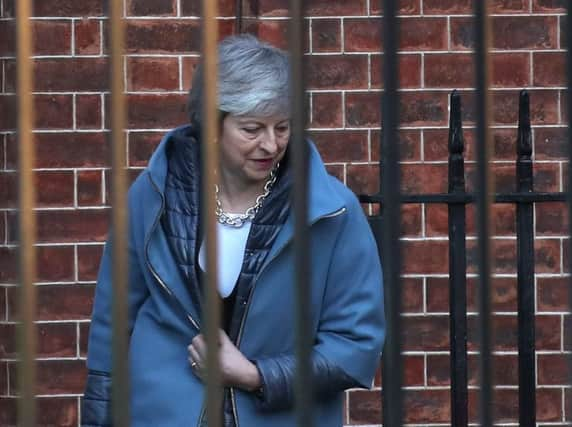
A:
251,130
282,128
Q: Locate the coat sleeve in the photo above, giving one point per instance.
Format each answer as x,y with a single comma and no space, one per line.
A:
96,402
351,330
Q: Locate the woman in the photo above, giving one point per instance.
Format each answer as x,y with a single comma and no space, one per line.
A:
255,229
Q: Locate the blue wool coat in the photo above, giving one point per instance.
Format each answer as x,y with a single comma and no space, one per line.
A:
347,319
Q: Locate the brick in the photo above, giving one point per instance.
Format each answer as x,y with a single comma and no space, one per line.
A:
57,377
405,7
544,106
510,70
411,220
452,7
337,72
327,110
364,35
423,108
89,188
416,109
409,145
193,7
343,145
9,75
189,67
155,111
426,406
502,254
73,225
152,74
541,33
547,256
83,338
276,32
51,411
88,112
503,333
88,259
168,36
567,344
141,146
548,332
505,370
363,109
53,111
503,220
132,175
9,111
271,8
449,70
65,150
509,32
549,69
88,37
326,35
425,257
71,74
53,264
552,294
364,407
337,171
436,143
549,5
409,71
552,369
412,295
424,333
550,143
551,219
57,302
57,340
51,37
503,294
447,7
3,313
150,8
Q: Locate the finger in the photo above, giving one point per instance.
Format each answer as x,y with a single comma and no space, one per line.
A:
200,346
196,358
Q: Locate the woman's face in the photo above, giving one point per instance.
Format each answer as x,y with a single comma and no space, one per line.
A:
251,146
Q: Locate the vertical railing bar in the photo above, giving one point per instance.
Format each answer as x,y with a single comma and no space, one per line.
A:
525,261
457,270
209,150
27,220
300,152
483,189
120,368
390,184
568,42
239,14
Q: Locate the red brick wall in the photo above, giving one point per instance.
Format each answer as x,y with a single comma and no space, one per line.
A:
344,82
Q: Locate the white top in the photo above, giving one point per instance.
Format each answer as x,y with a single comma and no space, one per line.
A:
231,246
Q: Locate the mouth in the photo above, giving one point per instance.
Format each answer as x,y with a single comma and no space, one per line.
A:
264,163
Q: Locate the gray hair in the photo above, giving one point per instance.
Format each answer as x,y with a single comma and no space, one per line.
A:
253,79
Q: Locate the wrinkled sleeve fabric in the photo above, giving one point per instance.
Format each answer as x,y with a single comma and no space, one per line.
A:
96,402
351,330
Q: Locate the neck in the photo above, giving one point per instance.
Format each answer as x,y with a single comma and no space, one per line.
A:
235,195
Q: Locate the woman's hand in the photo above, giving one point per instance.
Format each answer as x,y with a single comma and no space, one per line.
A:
236,370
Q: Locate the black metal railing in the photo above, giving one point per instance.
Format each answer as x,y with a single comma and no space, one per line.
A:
457,200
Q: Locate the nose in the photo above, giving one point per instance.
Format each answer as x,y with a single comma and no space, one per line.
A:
270,141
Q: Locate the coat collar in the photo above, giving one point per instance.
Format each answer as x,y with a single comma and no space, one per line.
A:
323,199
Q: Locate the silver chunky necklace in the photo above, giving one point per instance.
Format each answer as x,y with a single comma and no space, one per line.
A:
241,219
